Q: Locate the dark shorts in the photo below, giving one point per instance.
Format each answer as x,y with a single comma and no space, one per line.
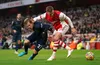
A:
40,40
16,37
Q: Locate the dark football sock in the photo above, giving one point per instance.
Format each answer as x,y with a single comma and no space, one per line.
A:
26,48
17,46
34,55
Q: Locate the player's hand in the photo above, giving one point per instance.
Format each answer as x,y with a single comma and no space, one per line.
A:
73,30
14,31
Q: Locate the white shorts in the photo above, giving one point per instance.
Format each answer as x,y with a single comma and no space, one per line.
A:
62,30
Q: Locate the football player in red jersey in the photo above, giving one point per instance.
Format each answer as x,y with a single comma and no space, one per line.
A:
61,24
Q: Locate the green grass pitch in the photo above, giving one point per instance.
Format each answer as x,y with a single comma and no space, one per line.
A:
7,57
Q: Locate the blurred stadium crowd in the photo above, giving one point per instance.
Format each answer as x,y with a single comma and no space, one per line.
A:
85,19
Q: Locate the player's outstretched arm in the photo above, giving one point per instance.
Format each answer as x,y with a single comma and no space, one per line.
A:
42,16
62,16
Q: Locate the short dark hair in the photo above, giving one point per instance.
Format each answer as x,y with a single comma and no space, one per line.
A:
49,9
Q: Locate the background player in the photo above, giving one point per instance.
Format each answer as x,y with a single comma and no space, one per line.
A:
39,36
16,29
61,25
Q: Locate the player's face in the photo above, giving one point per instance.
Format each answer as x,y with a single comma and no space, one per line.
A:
18,16
29,25
51,13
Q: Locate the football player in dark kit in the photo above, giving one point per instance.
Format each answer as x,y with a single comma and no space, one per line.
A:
16,29
39,36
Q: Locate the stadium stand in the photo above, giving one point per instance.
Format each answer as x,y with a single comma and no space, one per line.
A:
6,1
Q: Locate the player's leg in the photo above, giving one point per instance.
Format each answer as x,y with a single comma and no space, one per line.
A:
62,44
57,36
26,46
14,42
18,43
35,53
30,39
16,48
56,39
38,47
53,56
40,43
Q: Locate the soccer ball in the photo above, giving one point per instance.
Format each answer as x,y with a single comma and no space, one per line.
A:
89,55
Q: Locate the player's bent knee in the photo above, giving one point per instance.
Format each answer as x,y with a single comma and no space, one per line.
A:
57,36
26,41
